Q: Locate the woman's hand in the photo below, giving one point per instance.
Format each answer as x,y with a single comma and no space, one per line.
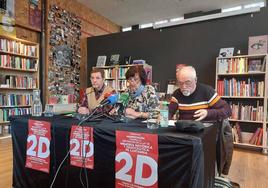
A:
134,115
83,110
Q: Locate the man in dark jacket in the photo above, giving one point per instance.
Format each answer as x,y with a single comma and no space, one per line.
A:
196,101
200,102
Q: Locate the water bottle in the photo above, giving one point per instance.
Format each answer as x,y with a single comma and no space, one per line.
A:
164,114
36,105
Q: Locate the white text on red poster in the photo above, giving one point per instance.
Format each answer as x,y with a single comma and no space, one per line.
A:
82,147
136,160
38,143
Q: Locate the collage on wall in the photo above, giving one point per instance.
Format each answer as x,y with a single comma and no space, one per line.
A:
64,56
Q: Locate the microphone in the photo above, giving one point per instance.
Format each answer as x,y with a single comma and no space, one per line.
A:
110,100
106,95
123,99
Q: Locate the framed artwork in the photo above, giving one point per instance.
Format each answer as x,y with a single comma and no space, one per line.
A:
101,61
226,52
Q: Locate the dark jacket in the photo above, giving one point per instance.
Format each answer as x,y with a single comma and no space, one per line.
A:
224,150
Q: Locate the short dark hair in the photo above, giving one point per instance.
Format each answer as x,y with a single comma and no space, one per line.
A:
138,69
98,70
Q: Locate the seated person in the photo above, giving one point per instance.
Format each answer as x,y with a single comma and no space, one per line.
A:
95,94
196,101
142,97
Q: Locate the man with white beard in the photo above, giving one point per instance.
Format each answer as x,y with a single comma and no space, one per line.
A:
196,101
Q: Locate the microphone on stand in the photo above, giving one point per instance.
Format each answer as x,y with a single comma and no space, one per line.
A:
110,100
124,99
121,106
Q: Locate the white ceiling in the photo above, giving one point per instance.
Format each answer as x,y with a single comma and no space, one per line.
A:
132,12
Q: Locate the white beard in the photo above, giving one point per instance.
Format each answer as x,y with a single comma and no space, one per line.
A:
186,93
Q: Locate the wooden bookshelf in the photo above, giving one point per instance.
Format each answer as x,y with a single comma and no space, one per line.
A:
20,70
242,74
245,121
16,88
19,66
247,146
243,81
4,122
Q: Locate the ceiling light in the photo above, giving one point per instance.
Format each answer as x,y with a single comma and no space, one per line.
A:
176,19
231,9
160,22
142,26
126,29
260,4
208,17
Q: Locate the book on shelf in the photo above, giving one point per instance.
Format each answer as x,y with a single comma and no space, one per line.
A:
259,140
255,65
238,133
17,47
235,135
8,61
247,112
246,137
236,87
11,99
111,83
241,65
19,81
109,73
254,139
6,112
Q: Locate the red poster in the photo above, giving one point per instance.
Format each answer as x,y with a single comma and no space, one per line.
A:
82,147
38,142
136,160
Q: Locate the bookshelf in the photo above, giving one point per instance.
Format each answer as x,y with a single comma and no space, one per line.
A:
242,81
115,75
19,67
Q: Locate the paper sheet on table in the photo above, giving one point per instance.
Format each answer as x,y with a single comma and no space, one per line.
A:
170,122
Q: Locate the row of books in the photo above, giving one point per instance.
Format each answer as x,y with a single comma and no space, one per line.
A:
121,72
18,81
10,99
6,112
109,73
122,85
17,47
17,62
240,65
248,138
247,112
111,83
234,87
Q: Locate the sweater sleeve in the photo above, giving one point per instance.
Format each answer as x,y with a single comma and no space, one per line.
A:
218,109
172,107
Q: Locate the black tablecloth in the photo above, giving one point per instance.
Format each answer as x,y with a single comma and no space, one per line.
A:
185,160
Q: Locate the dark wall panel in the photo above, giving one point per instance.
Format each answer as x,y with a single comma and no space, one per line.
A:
195,44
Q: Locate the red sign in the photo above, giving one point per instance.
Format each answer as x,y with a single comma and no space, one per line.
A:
38,142
136,160
82,147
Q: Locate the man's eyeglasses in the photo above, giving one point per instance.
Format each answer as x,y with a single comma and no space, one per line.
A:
187,83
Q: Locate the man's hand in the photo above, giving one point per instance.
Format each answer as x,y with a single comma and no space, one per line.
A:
83,110
200,114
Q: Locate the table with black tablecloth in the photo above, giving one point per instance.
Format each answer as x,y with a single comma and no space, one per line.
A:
185,160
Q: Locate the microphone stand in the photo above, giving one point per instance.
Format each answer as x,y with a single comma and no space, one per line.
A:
102,114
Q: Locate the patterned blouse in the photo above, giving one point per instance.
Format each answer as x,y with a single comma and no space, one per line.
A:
146,101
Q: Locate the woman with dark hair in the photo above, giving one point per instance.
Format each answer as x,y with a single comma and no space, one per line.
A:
143,97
